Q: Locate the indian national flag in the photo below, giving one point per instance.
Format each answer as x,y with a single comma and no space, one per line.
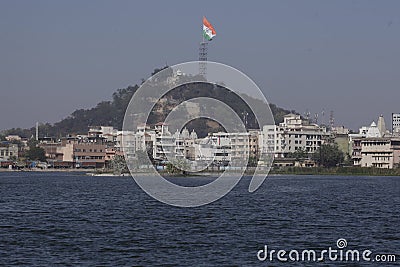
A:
208,30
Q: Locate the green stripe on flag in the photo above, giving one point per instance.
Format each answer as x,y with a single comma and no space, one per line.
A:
206,36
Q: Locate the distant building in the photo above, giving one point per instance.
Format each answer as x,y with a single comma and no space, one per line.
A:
8,151
371,131
217,147
107,132
184,144
340,130
13,138
374,146
377,152
74,152
88,155
396,123
255,143
291,135
158,141
382,126
341,137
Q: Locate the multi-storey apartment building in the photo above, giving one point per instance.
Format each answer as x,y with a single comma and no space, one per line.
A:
290,135
377,152
73,152
396,123
8,151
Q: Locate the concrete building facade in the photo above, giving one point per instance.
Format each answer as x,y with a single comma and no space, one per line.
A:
8,151
377,152
74,152
291,135
396,123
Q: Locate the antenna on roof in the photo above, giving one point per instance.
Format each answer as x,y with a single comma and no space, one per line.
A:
307,115
316,118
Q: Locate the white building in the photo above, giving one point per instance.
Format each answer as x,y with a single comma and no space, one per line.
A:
216,147
159,141
377,152
126,141
13,138
184,144
374,147
382,126
107,132
371,131
228,148
291,135
396,123
8,152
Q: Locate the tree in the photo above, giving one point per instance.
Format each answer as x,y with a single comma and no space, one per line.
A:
118,165
177,166
328,155
299,154
32,143
253,161
36,153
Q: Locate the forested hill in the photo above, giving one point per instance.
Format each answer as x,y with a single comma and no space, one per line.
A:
111,113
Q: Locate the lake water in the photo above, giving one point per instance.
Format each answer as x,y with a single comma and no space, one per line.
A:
50,219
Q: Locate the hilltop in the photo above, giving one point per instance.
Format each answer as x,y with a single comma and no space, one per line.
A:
111,113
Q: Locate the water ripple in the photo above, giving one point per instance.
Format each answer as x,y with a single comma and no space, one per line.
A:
49,219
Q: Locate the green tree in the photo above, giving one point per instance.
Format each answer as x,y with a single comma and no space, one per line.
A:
328,155
32,143
253,161
36,153
299,154
118,165
178,166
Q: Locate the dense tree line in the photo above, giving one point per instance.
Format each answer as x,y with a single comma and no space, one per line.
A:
328,155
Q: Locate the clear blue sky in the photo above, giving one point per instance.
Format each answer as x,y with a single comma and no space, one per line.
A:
58,56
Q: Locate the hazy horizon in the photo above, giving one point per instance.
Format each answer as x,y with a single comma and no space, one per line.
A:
59,56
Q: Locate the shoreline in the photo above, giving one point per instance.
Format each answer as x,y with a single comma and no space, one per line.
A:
337,171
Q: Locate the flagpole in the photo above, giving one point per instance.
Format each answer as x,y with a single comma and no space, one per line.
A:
203,55
202,35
